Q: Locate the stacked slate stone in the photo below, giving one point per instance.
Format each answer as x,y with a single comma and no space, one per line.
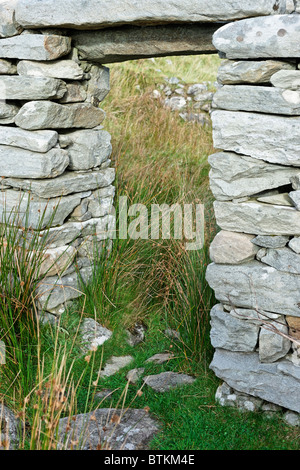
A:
54,156
255,178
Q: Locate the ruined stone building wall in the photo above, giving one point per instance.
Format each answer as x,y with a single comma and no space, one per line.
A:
255,179
55,153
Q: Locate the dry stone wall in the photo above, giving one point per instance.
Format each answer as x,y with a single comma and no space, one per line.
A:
254,177
55,156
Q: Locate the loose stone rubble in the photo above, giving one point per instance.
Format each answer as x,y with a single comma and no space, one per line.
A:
193,102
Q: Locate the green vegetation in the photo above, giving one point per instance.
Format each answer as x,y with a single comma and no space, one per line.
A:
159,159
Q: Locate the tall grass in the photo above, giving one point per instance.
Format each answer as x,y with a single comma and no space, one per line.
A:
22,252
159,160
36,380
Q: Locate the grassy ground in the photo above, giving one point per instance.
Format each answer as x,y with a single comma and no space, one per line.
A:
159,159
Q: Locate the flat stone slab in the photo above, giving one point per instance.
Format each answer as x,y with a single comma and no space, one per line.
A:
114,364
167,380
257,218
93,334
98,86
99,207
292,419
258,99
255,285
282,259
281,199
108,429
64,69
235,72
68,183
75,93
39,141
94,144
173,334
256,38
271,241
95,14
35,47
104,394
259,317
160,358
56,260
69,231
21,163
55,291
36,115
120,44
176,103
235,176
260,136
41,212
245,373
31,88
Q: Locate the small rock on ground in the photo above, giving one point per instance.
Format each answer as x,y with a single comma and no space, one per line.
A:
114,364
293,419
108,429
172,333
10,427
136,334
93,334
167,380
160,358
104,394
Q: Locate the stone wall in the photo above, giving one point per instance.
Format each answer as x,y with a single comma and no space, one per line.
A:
255,178
55,155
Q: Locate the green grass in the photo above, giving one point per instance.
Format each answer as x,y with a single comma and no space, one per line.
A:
189,417
159,159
